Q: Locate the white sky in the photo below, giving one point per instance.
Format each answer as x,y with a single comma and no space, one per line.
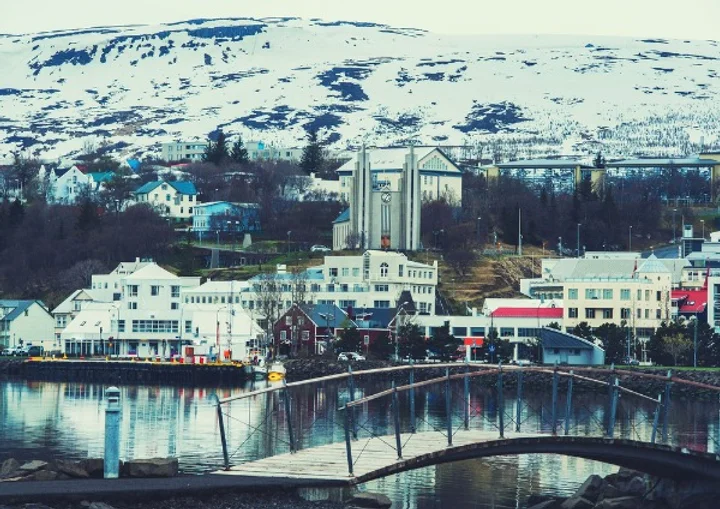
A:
681,19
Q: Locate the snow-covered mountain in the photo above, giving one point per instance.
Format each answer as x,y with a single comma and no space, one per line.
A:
133,87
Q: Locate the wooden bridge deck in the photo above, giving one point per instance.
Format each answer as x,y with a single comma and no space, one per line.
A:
329,462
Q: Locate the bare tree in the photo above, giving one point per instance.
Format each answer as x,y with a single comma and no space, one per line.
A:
299,287
268,294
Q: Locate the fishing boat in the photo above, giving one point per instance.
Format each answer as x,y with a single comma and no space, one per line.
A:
256,371
276,372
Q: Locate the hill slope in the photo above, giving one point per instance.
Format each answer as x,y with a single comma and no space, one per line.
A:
134,87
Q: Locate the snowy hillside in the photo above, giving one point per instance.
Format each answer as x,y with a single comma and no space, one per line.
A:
515,96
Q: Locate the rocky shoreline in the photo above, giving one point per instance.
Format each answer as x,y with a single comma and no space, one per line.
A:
629,489
12,470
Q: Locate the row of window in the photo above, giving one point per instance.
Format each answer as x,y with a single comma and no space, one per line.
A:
608,313
132,291
608,294
155,326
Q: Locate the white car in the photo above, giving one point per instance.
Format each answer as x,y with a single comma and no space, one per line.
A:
320,249
350,356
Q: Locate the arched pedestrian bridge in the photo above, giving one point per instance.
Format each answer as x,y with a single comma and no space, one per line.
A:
348,437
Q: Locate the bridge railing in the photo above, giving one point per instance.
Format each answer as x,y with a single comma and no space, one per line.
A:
320,411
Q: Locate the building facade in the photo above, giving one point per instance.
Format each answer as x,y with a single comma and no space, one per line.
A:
226,217
172,200
386,188
26,323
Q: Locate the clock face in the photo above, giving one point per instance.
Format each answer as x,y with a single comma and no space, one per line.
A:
386,197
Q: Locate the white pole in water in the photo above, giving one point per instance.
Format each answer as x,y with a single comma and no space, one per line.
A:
112,433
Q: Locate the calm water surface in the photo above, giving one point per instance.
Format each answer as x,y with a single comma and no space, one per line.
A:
65,420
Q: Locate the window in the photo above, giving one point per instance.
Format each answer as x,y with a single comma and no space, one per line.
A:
175,292
382,288
174,305
647,294
344,304
658,296
400,270
506,332
283,335
589,313
356,272
607,294
344,288
116,297
607,314
154,290
477,331
383,270
592,293
639,312
132,290
345,271
333,272
132,305
330,288
576,352
657,314
525,332
188,326
625,313
306,335
647,314
315,288
572,312
76,305
60,320
288,320
381,304
625,294
459,331
572,294
301,320
155,326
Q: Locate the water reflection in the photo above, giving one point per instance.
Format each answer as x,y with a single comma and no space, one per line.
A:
47,420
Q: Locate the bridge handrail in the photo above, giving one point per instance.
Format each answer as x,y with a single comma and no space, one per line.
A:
345,374
480,369
488,371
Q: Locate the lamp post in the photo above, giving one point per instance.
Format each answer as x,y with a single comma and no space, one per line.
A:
102,347
287,245
401,307
478,230
674,230
703,228
695,328
217,235
578,240
560,249
630,238
520,232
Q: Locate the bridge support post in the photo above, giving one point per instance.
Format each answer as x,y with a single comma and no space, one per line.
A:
518,403
666,407
556,380
396,418
413,427
288,417
656,419
613,409
351,390
223,439
568,404
466,398
501,403
348,445
448,406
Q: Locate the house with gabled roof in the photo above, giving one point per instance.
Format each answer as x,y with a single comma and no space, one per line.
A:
172,200
25,323
308,329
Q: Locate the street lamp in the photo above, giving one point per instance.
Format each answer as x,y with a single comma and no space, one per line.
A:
674,235
288,242
630,239
102,348
578,240
560,249
478,230
703,228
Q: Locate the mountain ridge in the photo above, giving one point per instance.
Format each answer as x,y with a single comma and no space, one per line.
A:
132,87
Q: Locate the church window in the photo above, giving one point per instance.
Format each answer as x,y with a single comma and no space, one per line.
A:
383,270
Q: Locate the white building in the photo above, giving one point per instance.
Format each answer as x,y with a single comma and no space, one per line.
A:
374,279
312,188
257,150
173,200
182,150
386,189
26,323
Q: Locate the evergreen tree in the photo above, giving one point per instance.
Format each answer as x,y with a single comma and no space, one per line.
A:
583,330
312,159
349,341
239,153
382,348
16,214
443,344
614,340
599,161
411,342
216,151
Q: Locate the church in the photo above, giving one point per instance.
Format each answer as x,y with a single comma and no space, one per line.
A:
386,188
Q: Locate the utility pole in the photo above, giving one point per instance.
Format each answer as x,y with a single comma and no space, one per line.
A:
630,238
695,342
578,240
519,232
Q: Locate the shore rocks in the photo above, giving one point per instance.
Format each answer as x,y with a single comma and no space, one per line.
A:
9,467
369,501
155,467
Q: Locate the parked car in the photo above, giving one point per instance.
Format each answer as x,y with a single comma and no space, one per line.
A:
317,248
18,351
35,351
350,356
6,352
631,362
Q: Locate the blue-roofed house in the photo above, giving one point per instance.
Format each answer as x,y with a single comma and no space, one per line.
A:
225,217
564,348
341,230
26,322
172,200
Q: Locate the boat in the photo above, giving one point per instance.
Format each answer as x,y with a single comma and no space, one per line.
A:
276,372
256,371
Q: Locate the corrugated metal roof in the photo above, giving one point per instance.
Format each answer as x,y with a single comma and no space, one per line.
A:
552,338
17,307
343,217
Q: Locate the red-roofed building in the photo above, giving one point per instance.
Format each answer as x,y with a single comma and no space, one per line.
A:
507,312
689,303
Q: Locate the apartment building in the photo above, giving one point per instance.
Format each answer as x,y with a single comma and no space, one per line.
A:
641,299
